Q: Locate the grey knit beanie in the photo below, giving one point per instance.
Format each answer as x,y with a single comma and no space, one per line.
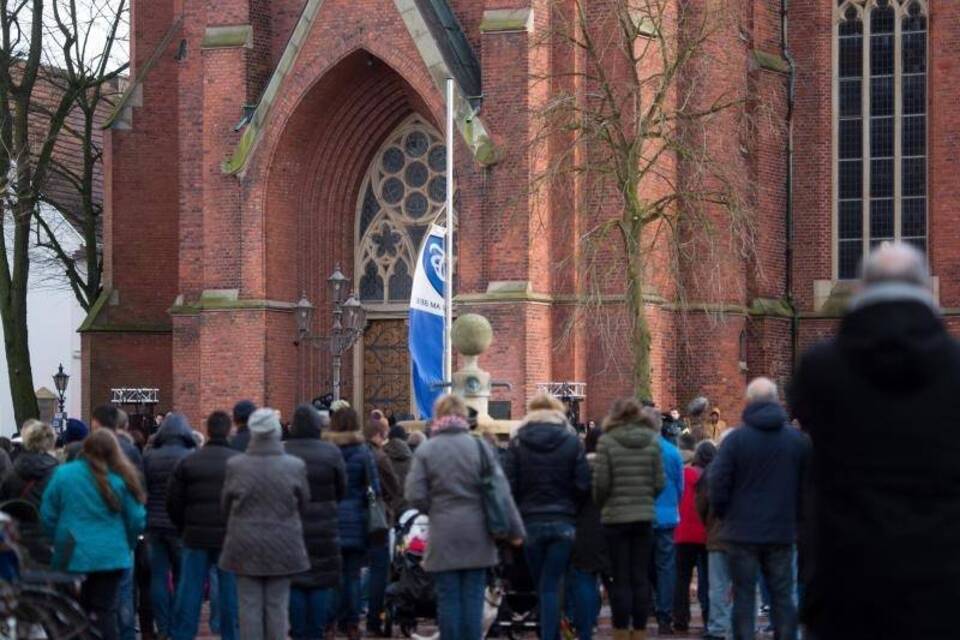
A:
264,422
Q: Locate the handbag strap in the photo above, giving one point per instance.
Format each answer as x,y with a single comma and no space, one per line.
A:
367,458
484,462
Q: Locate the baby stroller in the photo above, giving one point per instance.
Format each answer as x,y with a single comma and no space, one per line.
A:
515,596
410,595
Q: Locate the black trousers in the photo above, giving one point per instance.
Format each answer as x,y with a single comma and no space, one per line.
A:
630,547
688,557
98,597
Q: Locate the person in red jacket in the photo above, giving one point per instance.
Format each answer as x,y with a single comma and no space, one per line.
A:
691,540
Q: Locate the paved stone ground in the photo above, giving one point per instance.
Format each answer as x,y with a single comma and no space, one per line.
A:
603,633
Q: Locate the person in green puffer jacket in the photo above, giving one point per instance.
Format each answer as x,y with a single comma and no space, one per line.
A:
627,478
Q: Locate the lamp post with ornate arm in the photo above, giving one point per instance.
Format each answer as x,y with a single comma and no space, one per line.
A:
60,381
349,322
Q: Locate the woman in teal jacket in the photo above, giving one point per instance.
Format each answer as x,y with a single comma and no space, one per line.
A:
93,511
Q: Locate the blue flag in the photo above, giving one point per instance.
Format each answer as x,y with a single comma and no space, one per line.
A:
426,322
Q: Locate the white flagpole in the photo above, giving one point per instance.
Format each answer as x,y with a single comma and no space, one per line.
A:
448,245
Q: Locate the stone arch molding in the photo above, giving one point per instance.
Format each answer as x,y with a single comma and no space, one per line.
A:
427,75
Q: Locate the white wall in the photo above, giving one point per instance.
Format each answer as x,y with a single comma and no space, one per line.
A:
53,317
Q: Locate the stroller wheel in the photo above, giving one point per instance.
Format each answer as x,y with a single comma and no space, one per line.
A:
388,622
407,628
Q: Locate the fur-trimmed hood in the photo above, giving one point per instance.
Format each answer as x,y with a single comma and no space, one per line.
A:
545,416
344,438
544,430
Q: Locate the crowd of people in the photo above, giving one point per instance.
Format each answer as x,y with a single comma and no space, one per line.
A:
286,530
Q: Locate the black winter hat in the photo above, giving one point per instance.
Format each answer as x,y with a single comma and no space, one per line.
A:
398,433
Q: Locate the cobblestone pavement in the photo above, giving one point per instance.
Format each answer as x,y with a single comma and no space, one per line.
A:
603,633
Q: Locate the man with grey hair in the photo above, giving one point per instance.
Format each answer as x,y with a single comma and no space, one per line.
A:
885,492
755,487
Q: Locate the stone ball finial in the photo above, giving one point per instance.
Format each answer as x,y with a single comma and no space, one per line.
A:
471,334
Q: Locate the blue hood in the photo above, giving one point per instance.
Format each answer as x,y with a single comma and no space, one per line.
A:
766,416
175,430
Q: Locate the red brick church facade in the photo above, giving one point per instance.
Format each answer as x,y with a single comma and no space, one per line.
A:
263,142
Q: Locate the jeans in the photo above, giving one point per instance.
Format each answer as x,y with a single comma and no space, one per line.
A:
195,567
583,601
348,598
213,580
379,573
460,603
309,612
548,549
98,597
775,561
264,607
164,560
688,557
665,560
721,600
126,607
629,546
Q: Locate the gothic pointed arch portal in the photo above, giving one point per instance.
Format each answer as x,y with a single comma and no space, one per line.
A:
402,194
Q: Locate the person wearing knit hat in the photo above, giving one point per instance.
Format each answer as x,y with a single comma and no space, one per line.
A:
73,437
242,412
264,495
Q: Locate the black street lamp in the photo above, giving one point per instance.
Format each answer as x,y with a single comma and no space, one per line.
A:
349,321
60,380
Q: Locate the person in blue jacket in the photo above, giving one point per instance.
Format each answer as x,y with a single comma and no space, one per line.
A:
93,511
668,517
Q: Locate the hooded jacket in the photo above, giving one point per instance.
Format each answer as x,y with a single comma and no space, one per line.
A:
328,485
29,477
668,502
401,457
757,478
193,499
87,536
172,443
628,473
547,469
885,487
361,471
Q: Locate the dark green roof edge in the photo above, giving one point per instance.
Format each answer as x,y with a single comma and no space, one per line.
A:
95,311
142,73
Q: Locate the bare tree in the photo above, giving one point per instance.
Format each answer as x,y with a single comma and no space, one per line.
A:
632,103
55,57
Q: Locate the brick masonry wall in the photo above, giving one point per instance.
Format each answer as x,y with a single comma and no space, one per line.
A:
176,225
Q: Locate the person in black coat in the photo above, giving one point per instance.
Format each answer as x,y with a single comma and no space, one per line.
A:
193,504
33,467
361,474
312,593
590,560
885,531
550,478
241,414
755,489
173,442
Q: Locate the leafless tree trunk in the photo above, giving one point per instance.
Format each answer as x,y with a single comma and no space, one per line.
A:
627,122
63,45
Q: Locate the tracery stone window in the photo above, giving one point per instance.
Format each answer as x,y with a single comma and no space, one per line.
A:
880,106
403,193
